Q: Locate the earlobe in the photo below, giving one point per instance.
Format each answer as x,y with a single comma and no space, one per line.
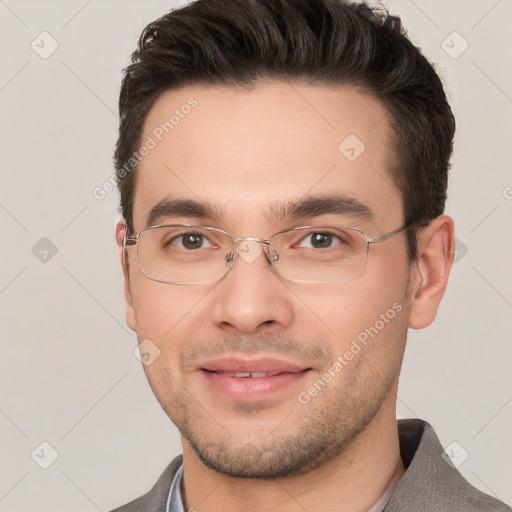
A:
429,276
129,309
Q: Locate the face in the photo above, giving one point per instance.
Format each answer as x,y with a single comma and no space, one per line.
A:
315,363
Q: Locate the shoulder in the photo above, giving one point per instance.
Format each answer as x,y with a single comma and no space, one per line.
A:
156,499
431,482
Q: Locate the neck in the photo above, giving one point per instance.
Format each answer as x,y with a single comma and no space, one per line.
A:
352,481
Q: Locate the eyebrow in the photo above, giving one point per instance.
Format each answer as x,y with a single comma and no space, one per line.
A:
168,208
314,206
289,211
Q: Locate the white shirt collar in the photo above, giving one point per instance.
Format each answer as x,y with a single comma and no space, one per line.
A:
175,503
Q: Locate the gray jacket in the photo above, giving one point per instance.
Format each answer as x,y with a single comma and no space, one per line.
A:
429,484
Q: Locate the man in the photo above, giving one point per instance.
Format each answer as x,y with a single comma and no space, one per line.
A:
283,168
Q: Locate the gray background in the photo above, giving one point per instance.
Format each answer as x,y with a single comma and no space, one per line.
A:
68,375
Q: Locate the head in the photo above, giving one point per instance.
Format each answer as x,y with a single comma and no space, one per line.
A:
257,117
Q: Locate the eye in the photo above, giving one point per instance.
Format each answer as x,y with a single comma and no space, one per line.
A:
190,241
320,240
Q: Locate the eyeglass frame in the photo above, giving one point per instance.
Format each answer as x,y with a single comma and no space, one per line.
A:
230,256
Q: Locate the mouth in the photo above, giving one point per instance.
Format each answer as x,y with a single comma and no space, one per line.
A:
252,380
248,375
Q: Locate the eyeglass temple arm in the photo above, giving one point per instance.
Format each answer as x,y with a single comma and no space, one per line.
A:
128,240
386,236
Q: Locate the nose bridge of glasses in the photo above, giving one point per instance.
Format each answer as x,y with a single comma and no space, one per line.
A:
249,248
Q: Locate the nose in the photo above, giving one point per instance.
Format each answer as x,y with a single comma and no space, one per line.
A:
251,298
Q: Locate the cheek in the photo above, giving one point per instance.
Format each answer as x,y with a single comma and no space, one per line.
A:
346,309
370,329
169,316
159,307
363,322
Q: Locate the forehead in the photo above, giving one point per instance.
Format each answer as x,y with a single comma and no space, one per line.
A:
247,150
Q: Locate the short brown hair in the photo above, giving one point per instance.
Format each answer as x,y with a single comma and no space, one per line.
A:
328,42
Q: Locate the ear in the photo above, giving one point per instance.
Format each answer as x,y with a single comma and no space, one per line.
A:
429,275
130,311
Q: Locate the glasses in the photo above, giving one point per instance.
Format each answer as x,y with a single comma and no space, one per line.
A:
188,254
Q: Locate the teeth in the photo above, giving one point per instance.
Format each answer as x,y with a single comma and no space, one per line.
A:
253,375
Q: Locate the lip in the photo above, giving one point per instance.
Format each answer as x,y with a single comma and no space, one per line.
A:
218,374
244,365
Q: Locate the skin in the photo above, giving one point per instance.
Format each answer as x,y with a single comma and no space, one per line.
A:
244,151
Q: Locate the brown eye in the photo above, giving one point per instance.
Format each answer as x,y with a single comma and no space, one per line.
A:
189,241
192,241
321,240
